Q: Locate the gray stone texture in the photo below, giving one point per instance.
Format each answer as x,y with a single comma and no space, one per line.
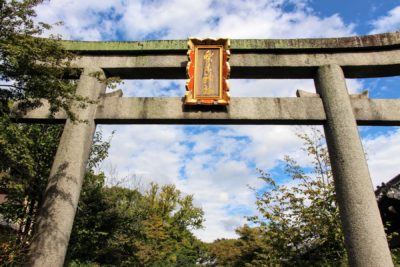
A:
61,197
249,65
304,110
364,234
383,40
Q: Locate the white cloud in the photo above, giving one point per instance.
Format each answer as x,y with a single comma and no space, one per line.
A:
390,22
179,19
235,19
383,155
152,152
88,20
215,164
269,88
355,86
148,88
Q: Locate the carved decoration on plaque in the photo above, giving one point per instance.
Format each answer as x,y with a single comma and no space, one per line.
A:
208,72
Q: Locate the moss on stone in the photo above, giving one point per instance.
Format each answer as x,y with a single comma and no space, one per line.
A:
180,46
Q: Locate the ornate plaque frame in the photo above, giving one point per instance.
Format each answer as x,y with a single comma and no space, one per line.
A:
208,72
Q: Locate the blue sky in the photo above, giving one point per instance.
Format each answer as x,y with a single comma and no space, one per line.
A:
361,13
217,164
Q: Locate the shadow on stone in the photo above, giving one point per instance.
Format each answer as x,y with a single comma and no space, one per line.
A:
48,219
205,108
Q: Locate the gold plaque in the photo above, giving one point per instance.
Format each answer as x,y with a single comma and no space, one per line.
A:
208,71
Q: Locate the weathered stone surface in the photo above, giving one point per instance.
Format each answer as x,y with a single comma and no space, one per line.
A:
360,56
376,111
356,42
363,230
60,201
248,65
240,111
41,114
247,110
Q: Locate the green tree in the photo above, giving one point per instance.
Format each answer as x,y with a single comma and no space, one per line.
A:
125,227
128,227
24,193
32,69
223,252
24,183
300,220
250,249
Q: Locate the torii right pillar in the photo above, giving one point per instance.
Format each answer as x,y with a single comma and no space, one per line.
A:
362,225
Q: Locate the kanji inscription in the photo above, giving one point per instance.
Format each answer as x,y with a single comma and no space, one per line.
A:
208,71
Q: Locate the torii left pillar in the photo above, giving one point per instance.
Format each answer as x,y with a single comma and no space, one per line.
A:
56,215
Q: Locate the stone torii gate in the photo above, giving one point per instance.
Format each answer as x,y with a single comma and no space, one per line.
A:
327,61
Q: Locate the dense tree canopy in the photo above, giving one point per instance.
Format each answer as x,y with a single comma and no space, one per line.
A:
114,225
33,151
132,227
126,227
31,69
250,249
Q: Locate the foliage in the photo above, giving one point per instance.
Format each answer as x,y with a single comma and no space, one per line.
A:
24,182
396,256
24,189
301,220
125,227
250,249
298,222
32,68
223,252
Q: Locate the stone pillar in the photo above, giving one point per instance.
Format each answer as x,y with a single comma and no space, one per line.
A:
364,234
56,216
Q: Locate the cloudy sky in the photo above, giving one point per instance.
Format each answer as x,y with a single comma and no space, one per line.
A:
217,164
